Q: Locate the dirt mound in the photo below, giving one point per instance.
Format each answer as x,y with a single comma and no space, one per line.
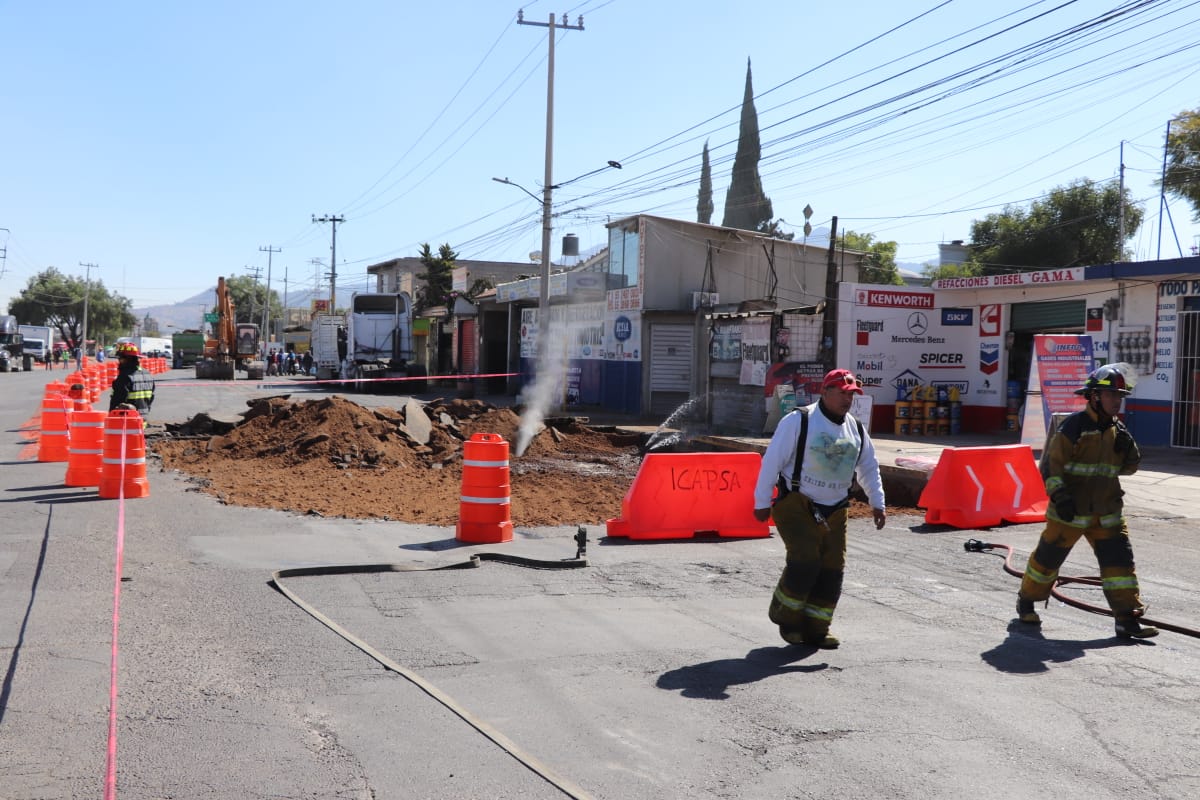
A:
334,457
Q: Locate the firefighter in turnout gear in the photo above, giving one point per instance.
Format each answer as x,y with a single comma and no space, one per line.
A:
1081,467
812,460
133,387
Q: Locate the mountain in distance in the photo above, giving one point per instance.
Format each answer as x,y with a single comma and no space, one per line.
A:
189,313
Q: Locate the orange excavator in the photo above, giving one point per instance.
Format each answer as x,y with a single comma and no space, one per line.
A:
232,342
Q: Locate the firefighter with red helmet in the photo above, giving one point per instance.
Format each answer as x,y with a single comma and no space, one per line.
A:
133,387
1086,455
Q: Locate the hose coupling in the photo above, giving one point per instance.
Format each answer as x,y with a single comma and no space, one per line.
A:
976,546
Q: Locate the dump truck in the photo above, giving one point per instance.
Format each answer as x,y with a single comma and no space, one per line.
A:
187,346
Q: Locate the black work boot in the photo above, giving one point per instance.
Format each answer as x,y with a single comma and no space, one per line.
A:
1130,628
1025,612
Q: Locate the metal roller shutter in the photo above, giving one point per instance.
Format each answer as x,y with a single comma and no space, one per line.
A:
1053,314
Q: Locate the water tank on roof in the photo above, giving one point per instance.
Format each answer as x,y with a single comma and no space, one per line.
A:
570,245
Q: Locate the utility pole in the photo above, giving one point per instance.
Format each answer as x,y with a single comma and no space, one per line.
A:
1121,209
87,291
829,335
333,219
255,271
266,317
548,181
4,252
317,264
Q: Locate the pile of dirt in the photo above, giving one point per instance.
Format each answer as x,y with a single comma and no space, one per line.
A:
333,457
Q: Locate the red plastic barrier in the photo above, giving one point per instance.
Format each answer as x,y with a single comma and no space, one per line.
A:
677,495
978,487
485,503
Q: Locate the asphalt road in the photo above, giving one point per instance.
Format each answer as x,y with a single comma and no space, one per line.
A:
651,673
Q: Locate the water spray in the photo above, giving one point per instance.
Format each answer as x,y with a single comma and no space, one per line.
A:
543,394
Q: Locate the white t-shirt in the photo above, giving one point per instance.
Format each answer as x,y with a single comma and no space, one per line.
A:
829,462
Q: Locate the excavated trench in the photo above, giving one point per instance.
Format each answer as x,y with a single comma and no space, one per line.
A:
332,457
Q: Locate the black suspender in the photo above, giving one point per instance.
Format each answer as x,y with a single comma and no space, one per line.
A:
802,440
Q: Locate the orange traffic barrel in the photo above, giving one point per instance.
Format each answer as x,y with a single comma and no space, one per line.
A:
485,503
55,435
84,456
79,398
124,456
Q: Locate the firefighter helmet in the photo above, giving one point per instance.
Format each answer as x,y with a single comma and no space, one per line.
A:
1106,377
127,349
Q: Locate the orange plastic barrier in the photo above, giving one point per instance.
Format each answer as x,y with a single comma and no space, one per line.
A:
677,495
978,487
484,504
55,436
124,469
79,398
85,464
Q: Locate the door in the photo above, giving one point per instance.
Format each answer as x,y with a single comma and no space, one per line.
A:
672,356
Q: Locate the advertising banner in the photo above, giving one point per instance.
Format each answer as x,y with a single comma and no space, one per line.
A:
1064,361
904,338
755,352
623,335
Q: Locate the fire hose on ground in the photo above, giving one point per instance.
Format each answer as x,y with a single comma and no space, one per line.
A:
976,546
564,785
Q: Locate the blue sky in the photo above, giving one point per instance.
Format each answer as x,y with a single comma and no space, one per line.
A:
168,142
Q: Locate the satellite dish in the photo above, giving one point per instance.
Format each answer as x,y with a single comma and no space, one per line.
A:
536,256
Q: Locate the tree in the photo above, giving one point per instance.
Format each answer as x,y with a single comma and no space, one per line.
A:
704,204
1182,177
248,296
1075,225
967,269
51,298
438,277
878,265
746,207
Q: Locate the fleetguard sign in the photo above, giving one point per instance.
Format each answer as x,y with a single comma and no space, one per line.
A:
893,299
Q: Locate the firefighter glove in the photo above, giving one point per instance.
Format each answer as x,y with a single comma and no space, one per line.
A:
1064,505
1123,441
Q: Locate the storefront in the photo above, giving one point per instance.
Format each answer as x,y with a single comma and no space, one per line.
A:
974,336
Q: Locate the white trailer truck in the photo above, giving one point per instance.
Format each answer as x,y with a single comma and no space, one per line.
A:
328,345
39,340
379,342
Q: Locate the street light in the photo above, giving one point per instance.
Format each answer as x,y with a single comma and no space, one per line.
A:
547,228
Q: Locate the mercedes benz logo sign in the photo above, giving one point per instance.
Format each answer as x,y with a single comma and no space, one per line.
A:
918,323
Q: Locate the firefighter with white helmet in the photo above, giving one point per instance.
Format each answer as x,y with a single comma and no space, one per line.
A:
1082,465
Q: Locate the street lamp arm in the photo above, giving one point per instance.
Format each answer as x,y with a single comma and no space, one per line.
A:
507,182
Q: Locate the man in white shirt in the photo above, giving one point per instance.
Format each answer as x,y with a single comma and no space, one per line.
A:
810,508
